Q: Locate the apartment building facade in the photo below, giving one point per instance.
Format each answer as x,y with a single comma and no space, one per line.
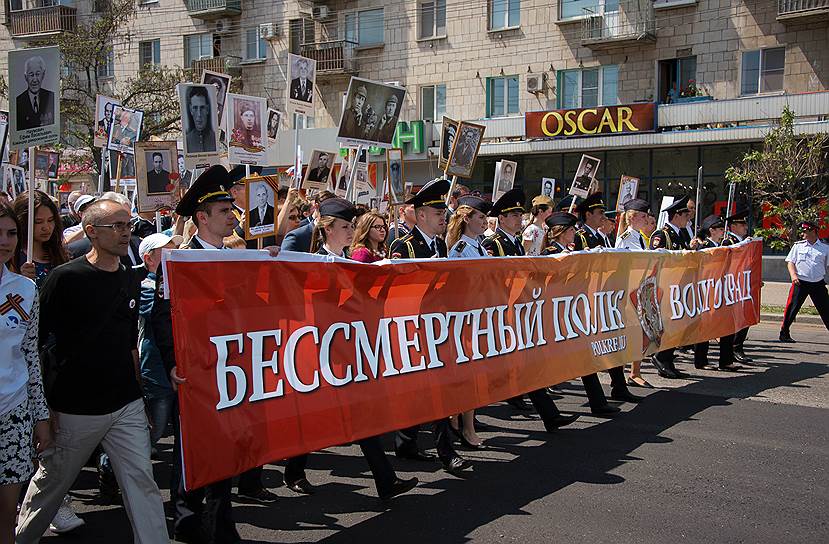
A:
719,72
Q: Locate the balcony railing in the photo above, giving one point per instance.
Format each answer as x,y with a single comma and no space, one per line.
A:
224,65
618,28
333,57
792,9
38,22
207,9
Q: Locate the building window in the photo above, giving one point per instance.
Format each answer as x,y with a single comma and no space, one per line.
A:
301,32
580,8
432,18
588,88
149,54
197,46
256,48
365,27
432,102
501,96
763,70
504,14
677,79
107,68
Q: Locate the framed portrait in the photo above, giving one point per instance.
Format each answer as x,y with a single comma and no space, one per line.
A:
41,164
127,167
318,172
246,138
274,120
54,165
448,131
20,158
395,174
125,129
548,187
370,115
4,136
199,122
343,173
302,73
585,176
104,111
364,185
16,181
222,84
504,178
63,201
157,176
465,149
260,216
34,91
628,188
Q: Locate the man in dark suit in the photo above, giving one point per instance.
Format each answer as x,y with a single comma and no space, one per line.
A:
299,239
262,213
302,88
467,147
388,123
124,134
158,178
322,170
354,118
35,105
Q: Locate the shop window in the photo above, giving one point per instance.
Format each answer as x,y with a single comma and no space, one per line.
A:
677,79
762,71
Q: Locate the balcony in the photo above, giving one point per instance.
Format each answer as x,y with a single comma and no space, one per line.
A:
798,10
334,58
210,9
40,22
618,28
224,65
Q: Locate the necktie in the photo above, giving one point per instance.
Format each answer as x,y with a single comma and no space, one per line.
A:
432,246
480,251
36,106
519,247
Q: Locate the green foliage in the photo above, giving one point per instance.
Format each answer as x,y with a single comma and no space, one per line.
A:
787,179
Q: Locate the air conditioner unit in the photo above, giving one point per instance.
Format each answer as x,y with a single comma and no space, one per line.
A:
223,26
536,82
268,31
320,12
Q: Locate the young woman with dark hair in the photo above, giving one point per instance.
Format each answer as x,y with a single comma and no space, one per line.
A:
48,250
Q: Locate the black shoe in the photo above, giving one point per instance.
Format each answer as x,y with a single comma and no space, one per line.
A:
663,370
483,427
469,445
624,395
561,420
414,455
519,404
741,357
257,495
605,410
190,533
787,338
399,487
301,486
455,464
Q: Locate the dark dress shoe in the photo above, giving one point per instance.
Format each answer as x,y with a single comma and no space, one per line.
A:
399,487
787,338
469,445
257,495
414,455
741,357
519,404
561,420
663,370
301,486
624,396
455,464
605,410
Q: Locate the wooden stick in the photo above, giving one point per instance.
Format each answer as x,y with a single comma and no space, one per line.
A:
352,174
696,202
451,187
30,242
572,205
158,221
118,172
393,220
104,163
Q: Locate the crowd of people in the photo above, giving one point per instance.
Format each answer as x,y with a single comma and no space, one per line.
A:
89,366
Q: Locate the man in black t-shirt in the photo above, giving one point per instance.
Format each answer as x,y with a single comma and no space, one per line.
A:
89,309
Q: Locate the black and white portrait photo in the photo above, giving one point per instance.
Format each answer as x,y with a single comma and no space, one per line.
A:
41,164
274,120
395,176
465,150
504,178
157,175
301,73
222,84
318,172
104,109
585,174
449,128
199,123
34,89
371,113
183,172
127,167
628,187
125,130
54,165
15,180
261,208
548,187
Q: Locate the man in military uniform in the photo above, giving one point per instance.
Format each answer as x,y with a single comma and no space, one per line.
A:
424,242
737,232
636,212
591,211
504,243
807,263
670,237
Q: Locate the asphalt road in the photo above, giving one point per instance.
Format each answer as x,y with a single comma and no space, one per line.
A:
718,457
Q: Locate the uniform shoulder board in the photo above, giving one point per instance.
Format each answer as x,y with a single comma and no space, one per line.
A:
460,246
625,235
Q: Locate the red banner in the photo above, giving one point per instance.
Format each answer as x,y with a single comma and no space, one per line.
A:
293,355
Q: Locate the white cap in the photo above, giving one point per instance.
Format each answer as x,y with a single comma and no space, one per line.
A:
82,201
155,241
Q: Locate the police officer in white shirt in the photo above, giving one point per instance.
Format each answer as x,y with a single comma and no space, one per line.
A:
466,226
807,262
636,217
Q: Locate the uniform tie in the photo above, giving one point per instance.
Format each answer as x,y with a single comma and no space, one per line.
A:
36,106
